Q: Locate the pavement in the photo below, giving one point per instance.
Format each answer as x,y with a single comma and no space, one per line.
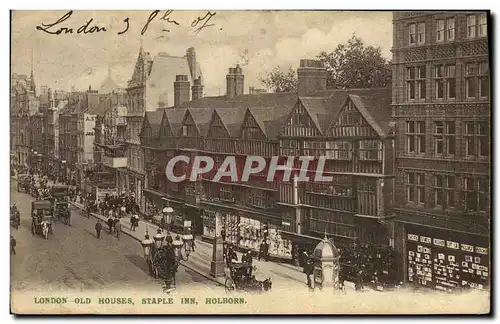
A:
74,259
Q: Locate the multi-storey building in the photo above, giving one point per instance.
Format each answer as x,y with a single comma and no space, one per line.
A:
151,86
24,103
442,115
351,128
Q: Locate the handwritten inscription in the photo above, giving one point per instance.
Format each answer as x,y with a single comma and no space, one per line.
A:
83,29
61,25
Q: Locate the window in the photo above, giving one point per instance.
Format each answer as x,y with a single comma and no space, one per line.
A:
184,130
475,194
484,80
415,136
440,31
370,150
451,82
258,199
444,191
421,84
415,187
421,33
439,75
413,34
483,27
339,150
470,80
450,29
471,26
411,82
444,136
476,139
226,194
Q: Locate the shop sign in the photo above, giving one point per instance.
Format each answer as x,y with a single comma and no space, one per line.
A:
438,242
285,223
425,239
481,250
452,245
413,237
466,247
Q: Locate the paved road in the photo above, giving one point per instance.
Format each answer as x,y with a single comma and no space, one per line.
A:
73,258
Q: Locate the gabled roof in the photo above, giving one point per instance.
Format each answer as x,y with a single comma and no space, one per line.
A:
154,120
201,117
232,119
376,110
270,120
161,78
174,117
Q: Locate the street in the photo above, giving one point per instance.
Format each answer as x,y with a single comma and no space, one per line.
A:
74,259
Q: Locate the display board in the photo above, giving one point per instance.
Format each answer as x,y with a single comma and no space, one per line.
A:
446,265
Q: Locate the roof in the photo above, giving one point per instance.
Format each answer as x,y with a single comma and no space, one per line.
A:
154,119
232,119
201,117
270,120
160,81
376,110
270,100
41,204
174,117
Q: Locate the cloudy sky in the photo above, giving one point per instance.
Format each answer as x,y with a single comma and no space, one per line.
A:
257,40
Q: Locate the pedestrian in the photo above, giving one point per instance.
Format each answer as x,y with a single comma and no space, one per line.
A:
98,229
12,245
118,228
308,269
110,224
262,252
193,234
223,235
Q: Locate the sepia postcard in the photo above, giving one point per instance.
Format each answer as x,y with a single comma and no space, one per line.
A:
250,162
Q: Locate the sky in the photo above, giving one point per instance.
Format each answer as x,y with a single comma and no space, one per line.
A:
257,40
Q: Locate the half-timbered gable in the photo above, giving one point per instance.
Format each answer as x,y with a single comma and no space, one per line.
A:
350,122
301,123
193,128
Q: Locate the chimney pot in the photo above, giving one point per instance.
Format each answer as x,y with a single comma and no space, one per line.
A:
311,76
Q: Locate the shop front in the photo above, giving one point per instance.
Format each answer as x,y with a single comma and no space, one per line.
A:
246,230
445,260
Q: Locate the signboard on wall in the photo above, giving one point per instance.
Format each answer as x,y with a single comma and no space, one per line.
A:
446,264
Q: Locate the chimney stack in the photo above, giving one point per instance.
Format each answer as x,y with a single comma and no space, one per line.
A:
197,89
181,90
311,77
235,82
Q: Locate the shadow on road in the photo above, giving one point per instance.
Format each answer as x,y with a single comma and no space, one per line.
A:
139,262
91,233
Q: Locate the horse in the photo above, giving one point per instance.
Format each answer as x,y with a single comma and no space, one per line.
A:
267,284
45,229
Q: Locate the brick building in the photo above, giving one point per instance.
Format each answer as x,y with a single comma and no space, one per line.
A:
442,112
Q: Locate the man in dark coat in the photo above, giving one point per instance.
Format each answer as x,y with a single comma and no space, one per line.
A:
308,269
12,245
110,224
223,235
98,229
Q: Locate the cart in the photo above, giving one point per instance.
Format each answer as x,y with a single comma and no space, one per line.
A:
41,218
23,182
240,279
60,199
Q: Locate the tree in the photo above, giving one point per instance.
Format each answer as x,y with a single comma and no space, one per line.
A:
281,81
354,65
349,66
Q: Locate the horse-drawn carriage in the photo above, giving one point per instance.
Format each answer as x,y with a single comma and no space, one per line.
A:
241,278
24,182
41,218
60,198
164,263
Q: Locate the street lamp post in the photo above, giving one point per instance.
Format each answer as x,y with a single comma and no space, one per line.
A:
147,244
158,239
167,214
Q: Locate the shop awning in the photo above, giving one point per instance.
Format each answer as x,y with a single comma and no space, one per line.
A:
300,238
